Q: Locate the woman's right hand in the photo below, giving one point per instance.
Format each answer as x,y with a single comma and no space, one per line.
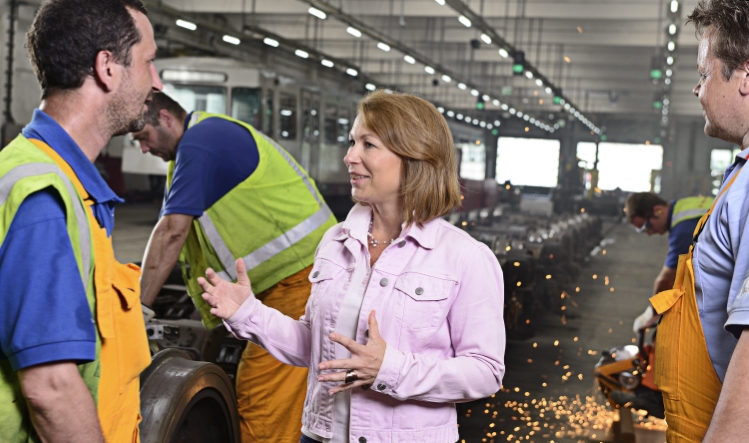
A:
225,297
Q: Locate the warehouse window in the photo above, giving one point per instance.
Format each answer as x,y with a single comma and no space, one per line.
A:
331,124
528,161
629,167
198,98
246,105
472,160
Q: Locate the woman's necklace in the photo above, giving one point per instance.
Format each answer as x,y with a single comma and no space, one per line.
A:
375,243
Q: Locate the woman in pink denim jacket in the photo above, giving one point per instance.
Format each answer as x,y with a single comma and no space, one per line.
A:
405,315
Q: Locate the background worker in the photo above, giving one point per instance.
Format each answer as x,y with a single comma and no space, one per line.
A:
650,214
233,192
72,339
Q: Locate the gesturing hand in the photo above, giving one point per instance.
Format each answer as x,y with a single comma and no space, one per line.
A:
365,360
225,297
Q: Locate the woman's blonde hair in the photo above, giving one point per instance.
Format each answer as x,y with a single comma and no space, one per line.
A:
414,130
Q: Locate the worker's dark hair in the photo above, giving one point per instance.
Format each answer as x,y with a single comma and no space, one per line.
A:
729,20
640,204
66,36
161,101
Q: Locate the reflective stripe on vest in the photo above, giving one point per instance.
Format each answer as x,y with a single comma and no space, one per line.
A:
694,207
33,169
275,246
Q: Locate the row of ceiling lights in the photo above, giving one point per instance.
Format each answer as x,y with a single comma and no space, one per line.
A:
446,78
663,99
465,21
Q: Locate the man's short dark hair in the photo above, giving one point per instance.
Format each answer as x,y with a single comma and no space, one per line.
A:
66,36
640,204
730,19
160,101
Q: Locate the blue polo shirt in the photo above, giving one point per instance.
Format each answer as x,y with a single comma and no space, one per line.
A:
213,157
721,268
679,237
44,314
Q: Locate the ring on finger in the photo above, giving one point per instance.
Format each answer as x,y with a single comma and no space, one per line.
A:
350,376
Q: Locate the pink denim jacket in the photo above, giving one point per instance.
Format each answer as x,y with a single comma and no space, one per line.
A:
438,295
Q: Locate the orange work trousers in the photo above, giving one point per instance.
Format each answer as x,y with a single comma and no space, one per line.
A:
683,370
271,394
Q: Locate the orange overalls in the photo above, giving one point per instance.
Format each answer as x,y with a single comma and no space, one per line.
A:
683,370
124,346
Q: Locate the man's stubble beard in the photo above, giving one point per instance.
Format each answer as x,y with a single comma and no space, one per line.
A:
120,123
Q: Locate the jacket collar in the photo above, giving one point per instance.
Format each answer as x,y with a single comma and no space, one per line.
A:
356,226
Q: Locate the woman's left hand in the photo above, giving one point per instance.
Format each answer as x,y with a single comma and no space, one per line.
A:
365,360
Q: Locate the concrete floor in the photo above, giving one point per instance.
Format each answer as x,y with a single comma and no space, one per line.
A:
549,393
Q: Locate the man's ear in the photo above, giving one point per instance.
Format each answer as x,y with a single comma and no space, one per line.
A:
743,73
106,70
166,118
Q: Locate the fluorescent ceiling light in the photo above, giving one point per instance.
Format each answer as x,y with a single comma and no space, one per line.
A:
441,109
300,53
474,93
429,69
669,73
497,122
317,13
495,102
548,90
672,29
352,72
187,25
173,75
370,87
671,46
670,61
409,59
270,42
539,82
230,39
462,86
486,39
327,63
674,6
384,46
446,78
286,112
464,20
450,114
504,107
353,31
512,111
486,97
519,114
459,116
503,52
529,74
440,2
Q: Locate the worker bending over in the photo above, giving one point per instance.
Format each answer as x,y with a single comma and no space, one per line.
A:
650,214
72,338
233,192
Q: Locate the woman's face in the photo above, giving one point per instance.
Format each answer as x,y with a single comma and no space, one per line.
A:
374,169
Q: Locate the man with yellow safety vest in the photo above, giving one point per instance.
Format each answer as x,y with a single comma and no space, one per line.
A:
72,339
703,348
650,214
233,193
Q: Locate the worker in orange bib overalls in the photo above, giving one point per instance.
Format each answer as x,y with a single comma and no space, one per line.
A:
702,367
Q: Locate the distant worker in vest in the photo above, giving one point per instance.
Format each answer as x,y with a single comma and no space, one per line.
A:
233,192
650,214
72,338
702,367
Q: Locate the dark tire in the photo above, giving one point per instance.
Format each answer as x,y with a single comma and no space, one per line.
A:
186,401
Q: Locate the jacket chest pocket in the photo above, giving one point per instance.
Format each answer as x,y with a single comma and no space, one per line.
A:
425,301
322,276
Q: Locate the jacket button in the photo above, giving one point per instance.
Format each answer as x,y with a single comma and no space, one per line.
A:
401,243
383,282
362,440
315,274
419,291
381,387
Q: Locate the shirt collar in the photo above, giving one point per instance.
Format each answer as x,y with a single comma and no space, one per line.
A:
45,128
670,214
357,226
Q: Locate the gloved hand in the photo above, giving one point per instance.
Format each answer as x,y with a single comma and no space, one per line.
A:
148,313
643,319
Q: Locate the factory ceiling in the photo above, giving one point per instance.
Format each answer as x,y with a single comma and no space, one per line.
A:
596,55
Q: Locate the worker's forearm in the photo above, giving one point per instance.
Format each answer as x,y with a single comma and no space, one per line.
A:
61,407
160,257
729,420
665,280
